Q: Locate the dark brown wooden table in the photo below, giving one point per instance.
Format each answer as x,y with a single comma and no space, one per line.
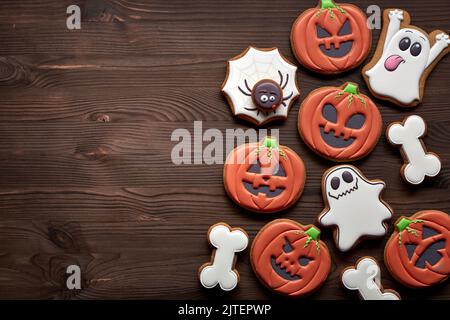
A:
86,118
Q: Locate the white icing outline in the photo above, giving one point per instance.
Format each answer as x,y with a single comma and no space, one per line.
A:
366,278
419,163
255,65
227,242
355,208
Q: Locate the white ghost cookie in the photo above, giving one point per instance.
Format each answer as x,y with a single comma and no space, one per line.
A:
353,205
366,278
404,58
227,241
260,85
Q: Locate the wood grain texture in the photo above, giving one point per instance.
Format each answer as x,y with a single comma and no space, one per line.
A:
85,152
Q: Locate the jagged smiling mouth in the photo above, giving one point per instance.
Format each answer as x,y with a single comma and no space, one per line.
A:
335,142
345,193
282,271
333,52
262,189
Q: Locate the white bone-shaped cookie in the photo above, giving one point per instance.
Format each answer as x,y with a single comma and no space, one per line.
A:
419,163
367,280
227,242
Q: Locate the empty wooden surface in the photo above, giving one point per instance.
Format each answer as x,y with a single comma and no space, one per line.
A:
86,118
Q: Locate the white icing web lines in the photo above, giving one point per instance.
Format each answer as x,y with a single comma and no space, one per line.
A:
254,66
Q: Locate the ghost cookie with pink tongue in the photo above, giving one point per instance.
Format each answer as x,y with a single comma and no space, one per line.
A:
404,58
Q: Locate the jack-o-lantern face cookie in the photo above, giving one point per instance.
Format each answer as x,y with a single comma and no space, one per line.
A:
289,258
339,123
260,85
418,252
331,38
264,177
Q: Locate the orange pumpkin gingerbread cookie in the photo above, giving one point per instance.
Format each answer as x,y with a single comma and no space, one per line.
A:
339,123
418,252
289,258
264,177
331,38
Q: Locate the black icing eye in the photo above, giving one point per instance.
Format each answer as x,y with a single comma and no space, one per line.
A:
322,33
356,121
287,247
404,44
335,182
416,49
329,112
347,177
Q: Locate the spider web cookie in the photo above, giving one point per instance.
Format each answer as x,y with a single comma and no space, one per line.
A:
260,85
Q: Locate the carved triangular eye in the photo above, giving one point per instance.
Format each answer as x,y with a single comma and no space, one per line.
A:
304,261
322,33
254,168
287,247
428,232
346,29
431,255
410,248
356,121
280,172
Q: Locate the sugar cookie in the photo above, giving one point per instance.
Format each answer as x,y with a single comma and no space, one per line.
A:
366,278
331,38
260,85
418,252
289,258
353,205
418,162
339,123
403,60
264,177
227,241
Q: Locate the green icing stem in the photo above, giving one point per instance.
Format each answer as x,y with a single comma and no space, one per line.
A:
313,234
329,5
353,91
402,225
271,144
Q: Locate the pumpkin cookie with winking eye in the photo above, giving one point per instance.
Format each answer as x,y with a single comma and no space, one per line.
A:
289,258
418,252
339,123
331,38
264,176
